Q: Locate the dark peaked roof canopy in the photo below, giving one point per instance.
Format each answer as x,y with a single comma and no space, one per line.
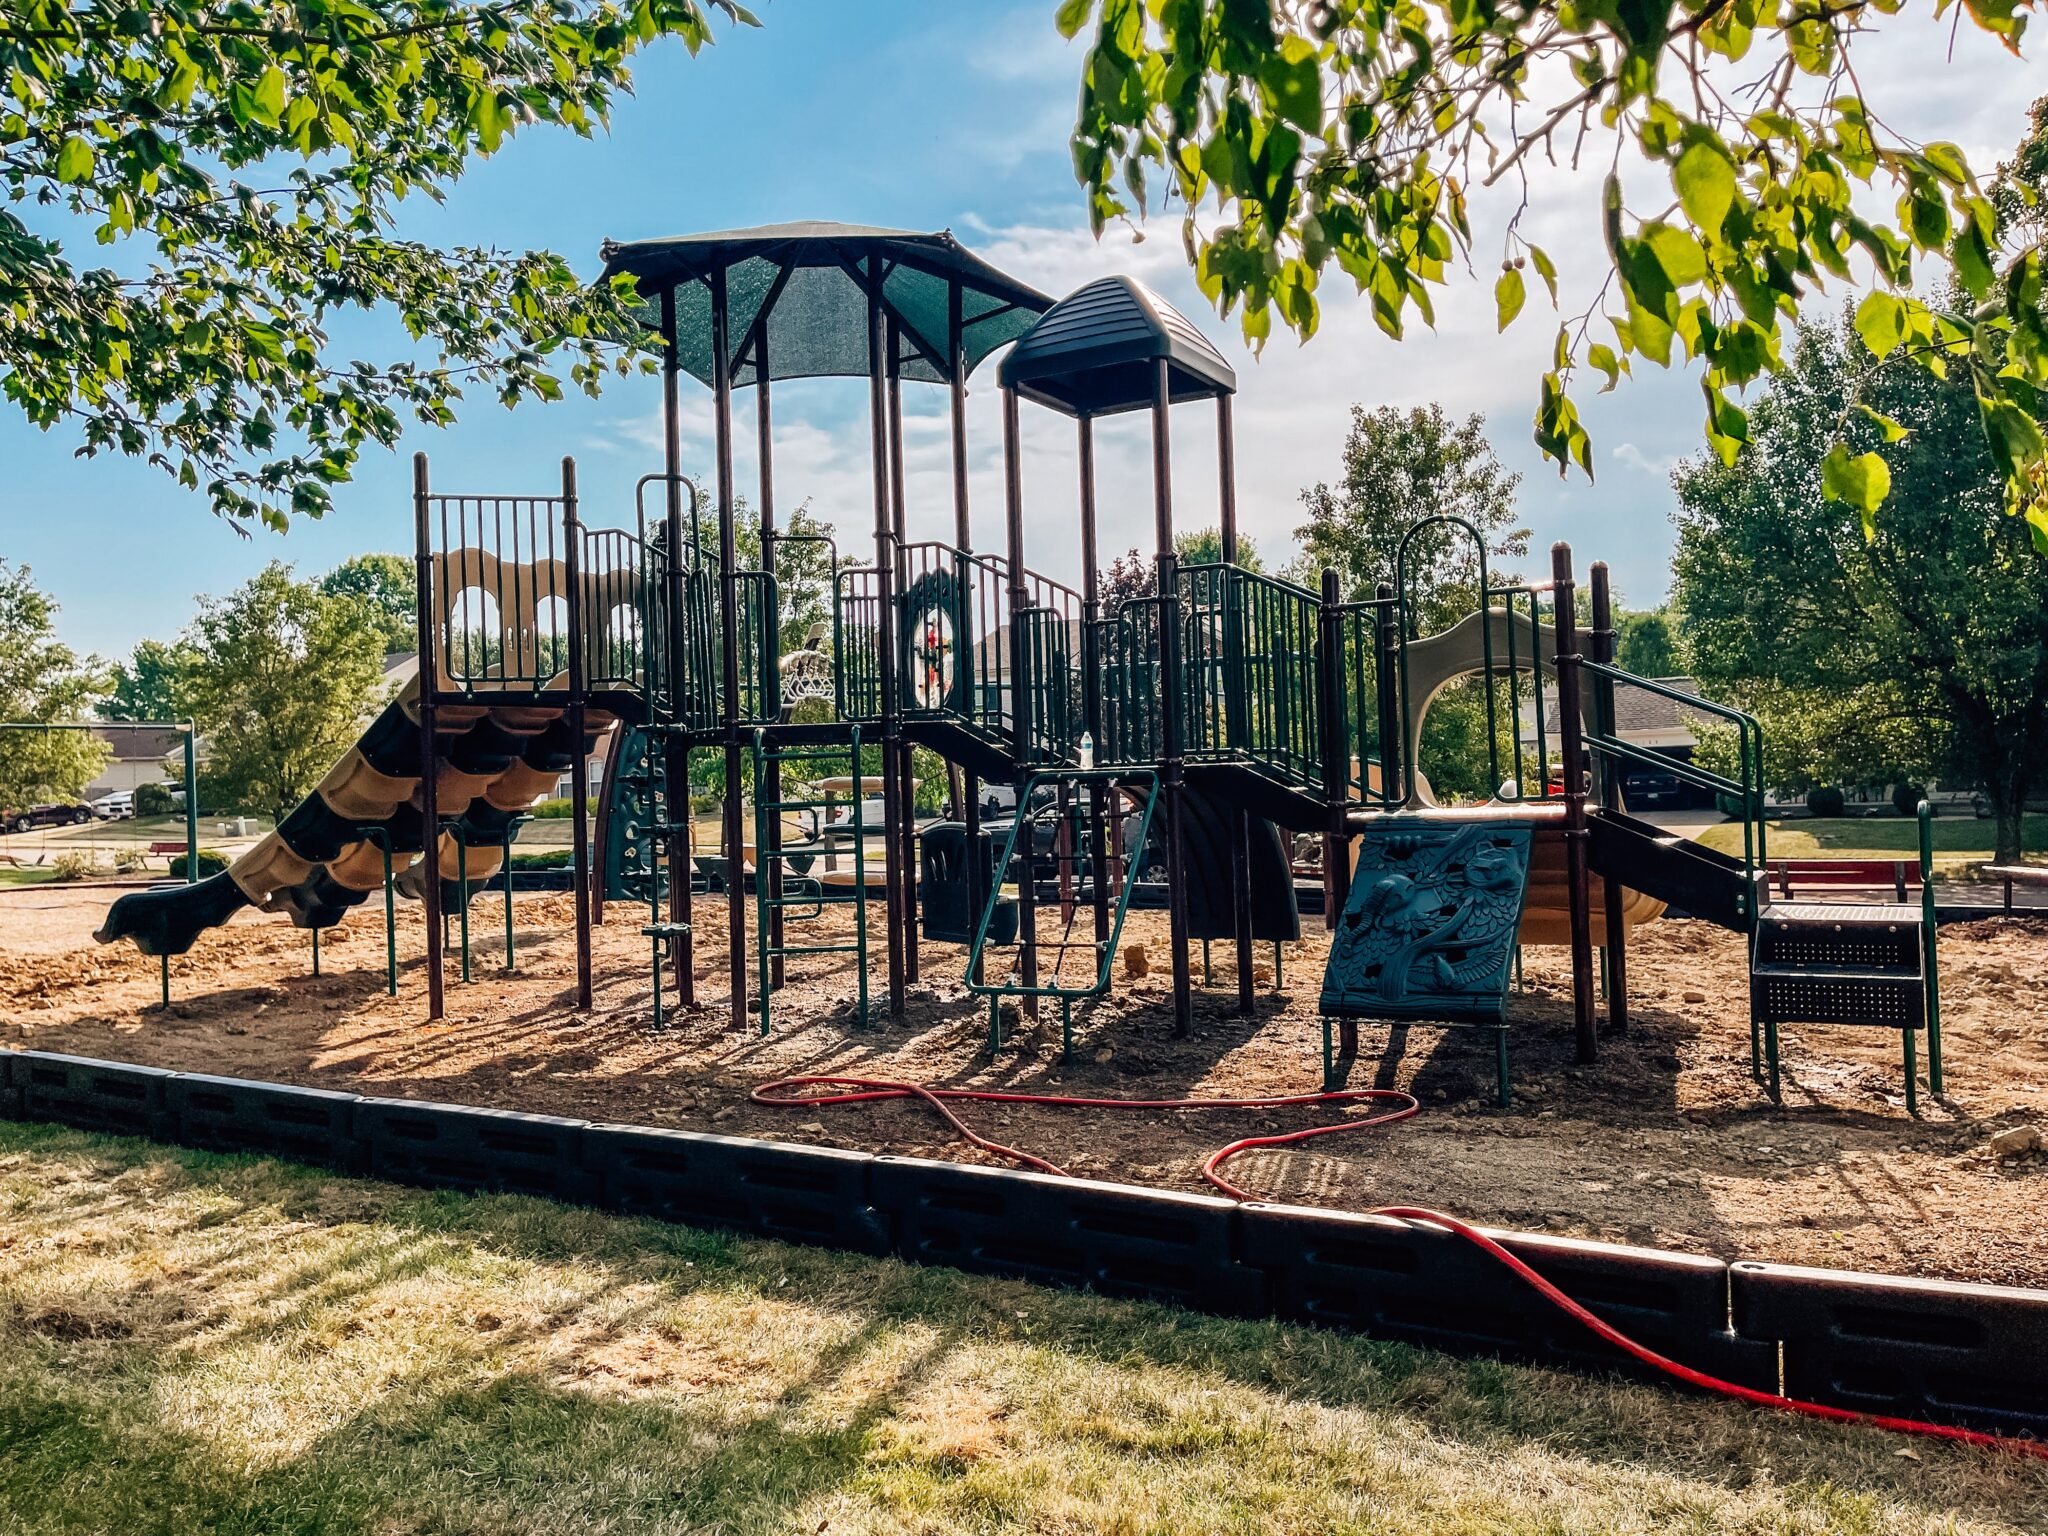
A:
1093,353
803,287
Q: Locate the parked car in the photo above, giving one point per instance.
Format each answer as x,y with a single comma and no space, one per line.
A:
61,814
1643,791
119,805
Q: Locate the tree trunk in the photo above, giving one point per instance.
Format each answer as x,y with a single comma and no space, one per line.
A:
2008,801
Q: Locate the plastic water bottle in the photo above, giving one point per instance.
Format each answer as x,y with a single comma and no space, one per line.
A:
1087,750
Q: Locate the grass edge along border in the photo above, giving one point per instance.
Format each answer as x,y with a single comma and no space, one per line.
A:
1946,1352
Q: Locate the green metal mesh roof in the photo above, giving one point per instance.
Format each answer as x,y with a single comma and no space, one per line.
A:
810,278
1095,352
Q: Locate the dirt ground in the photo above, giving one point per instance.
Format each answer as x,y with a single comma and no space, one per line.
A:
1665,1141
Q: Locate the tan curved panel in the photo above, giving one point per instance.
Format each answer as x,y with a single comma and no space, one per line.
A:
266,869
483,863
1546,912
524,719
354,789
519,786
454,789
358,867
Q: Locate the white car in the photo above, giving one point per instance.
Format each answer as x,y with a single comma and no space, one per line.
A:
117,806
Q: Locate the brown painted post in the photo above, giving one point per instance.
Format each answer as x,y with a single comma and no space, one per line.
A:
1571,748
770,787
1235,818
729,639
968,803
1603,643
885,634
579,764
607,791
1336,748
1020,703
430,758
898,761
1091,676
676,747
1167,566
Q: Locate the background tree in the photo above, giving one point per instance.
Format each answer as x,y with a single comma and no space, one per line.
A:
1365,133
255,151
1927,639
1400,466
145,686
387,586
1647,645
279,679
1204,546
41,680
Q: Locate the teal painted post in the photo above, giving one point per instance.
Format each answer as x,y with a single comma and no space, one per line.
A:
1927,925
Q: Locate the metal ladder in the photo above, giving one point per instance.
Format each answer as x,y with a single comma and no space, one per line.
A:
800,895
1078,849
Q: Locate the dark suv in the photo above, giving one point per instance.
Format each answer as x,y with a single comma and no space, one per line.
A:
46,816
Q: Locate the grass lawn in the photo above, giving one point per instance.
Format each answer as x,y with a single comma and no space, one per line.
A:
26,875
1958,840
190,1343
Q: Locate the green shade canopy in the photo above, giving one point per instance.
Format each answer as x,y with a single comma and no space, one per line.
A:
802,288
1094,353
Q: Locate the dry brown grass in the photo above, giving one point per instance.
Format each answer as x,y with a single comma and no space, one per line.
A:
193,1344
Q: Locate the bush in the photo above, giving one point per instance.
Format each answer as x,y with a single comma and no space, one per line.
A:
1906,799
211,862
554,859
128,860
556,809
154,800
74,866
1825,801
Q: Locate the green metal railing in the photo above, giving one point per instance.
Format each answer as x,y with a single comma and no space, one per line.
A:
1252,649
1368,633
857,637
1931,971
1746,793
1127,652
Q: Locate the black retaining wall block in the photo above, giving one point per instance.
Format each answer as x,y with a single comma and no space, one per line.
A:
230,1114
92,1095
1938,1350
1403,1280
461,1146
10,1091
1113,1238
801,1194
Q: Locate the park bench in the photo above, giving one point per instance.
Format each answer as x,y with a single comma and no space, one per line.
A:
2017,874
1788,877
167,850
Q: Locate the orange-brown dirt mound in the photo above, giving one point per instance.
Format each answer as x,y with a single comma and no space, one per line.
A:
1666,1140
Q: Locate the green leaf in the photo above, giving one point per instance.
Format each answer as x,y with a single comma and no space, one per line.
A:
1600,356
1706,185
1072,16
1508,296
1294,84
1891,429
1863,482
1545,269
1881,322
75,159
269,99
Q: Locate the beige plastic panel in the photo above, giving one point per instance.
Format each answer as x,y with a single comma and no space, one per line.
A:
358,867
1547,913
354,789
266,869
519,786
483,863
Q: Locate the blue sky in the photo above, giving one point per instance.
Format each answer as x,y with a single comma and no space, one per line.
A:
924,114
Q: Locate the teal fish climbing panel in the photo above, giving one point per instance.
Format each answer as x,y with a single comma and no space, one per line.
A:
1429,931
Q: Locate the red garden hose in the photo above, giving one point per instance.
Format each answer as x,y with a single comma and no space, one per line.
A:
791,1093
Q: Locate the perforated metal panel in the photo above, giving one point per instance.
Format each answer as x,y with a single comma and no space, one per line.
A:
1833,997
1861,946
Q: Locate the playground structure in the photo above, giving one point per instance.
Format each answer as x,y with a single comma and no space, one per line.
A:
1165,749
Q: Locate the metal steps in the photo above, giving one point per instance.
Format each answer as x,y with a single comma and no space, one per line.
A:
1865,963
